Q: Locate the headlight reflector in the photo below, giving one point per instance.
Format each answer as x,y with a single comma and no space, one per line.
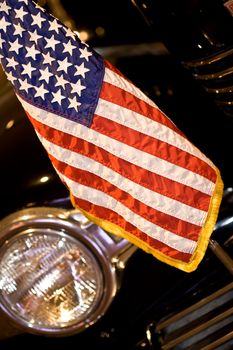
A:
49,279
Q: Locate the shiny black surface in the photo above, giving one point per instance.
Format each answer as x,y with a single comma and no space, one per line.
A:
198,33
121,22
24,163
150,290
190,29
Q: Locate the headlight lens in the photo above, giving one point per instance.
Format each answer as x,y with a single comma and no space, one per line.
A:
49,280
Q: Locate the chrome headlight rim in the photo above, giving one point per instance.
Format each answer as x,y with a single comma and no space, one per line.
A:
61,221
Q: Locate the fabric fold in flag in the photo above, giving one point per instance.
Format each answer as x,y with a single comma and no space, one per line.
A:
127,166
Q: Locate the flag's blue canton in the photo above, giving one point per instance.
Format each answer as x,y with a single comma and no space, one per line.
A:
46,62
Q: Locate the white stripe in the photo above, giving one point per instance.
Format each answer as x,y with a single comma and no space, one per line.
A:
121,150
152,199
104,200
146,126
115,79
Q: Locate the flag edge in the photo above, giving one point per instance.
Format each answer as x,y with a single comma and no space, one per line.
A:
202,243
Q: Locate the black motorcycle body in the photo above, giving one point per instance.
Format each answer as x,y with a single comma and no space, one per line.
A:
153,305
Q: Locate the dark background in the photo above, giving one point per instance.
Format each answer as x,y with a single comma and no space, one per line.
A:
136,49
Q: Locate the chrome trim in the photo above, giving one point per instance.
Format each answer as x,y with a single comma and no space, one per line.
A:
118,250
219,341
111,255
194,331
217,75
209,60
194,326
225,103
220,90
8,328
221,254
224,223
194,307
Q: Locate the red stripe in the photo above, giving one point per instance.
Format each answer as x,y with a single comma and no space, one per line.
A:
163,220
115,70
152,146
145,178
111,216
125,99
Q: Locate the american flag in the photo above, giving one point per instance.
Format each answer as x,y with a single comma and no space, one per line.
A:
126,164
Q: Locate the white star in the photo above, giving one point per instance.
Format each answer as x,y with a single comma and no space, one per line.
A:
24,85
61,81
32,52
11,78
20,13
51,42
4,7
68,47
81,70
41,91
45,75
71,34
18,30
4,24
74,103
11,62
85,53
54,25
77,87
15,46
57,97
63,65
28,69
34,36
37,20
47,58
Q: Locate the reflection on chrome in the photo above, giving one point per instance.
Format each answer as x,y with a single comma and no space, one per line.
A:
224,90
10,124
44,179
209,60
217,75
55,279
55,275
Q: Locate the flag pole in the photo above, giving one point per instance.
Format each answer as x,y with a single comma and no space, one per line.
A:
221,254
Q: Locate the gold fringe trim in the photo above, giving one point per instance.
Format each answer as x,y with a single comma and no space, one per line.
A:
202,243
208,227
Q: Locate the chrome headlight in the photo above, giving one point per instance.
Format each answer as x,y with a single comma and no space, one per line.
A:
55,277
